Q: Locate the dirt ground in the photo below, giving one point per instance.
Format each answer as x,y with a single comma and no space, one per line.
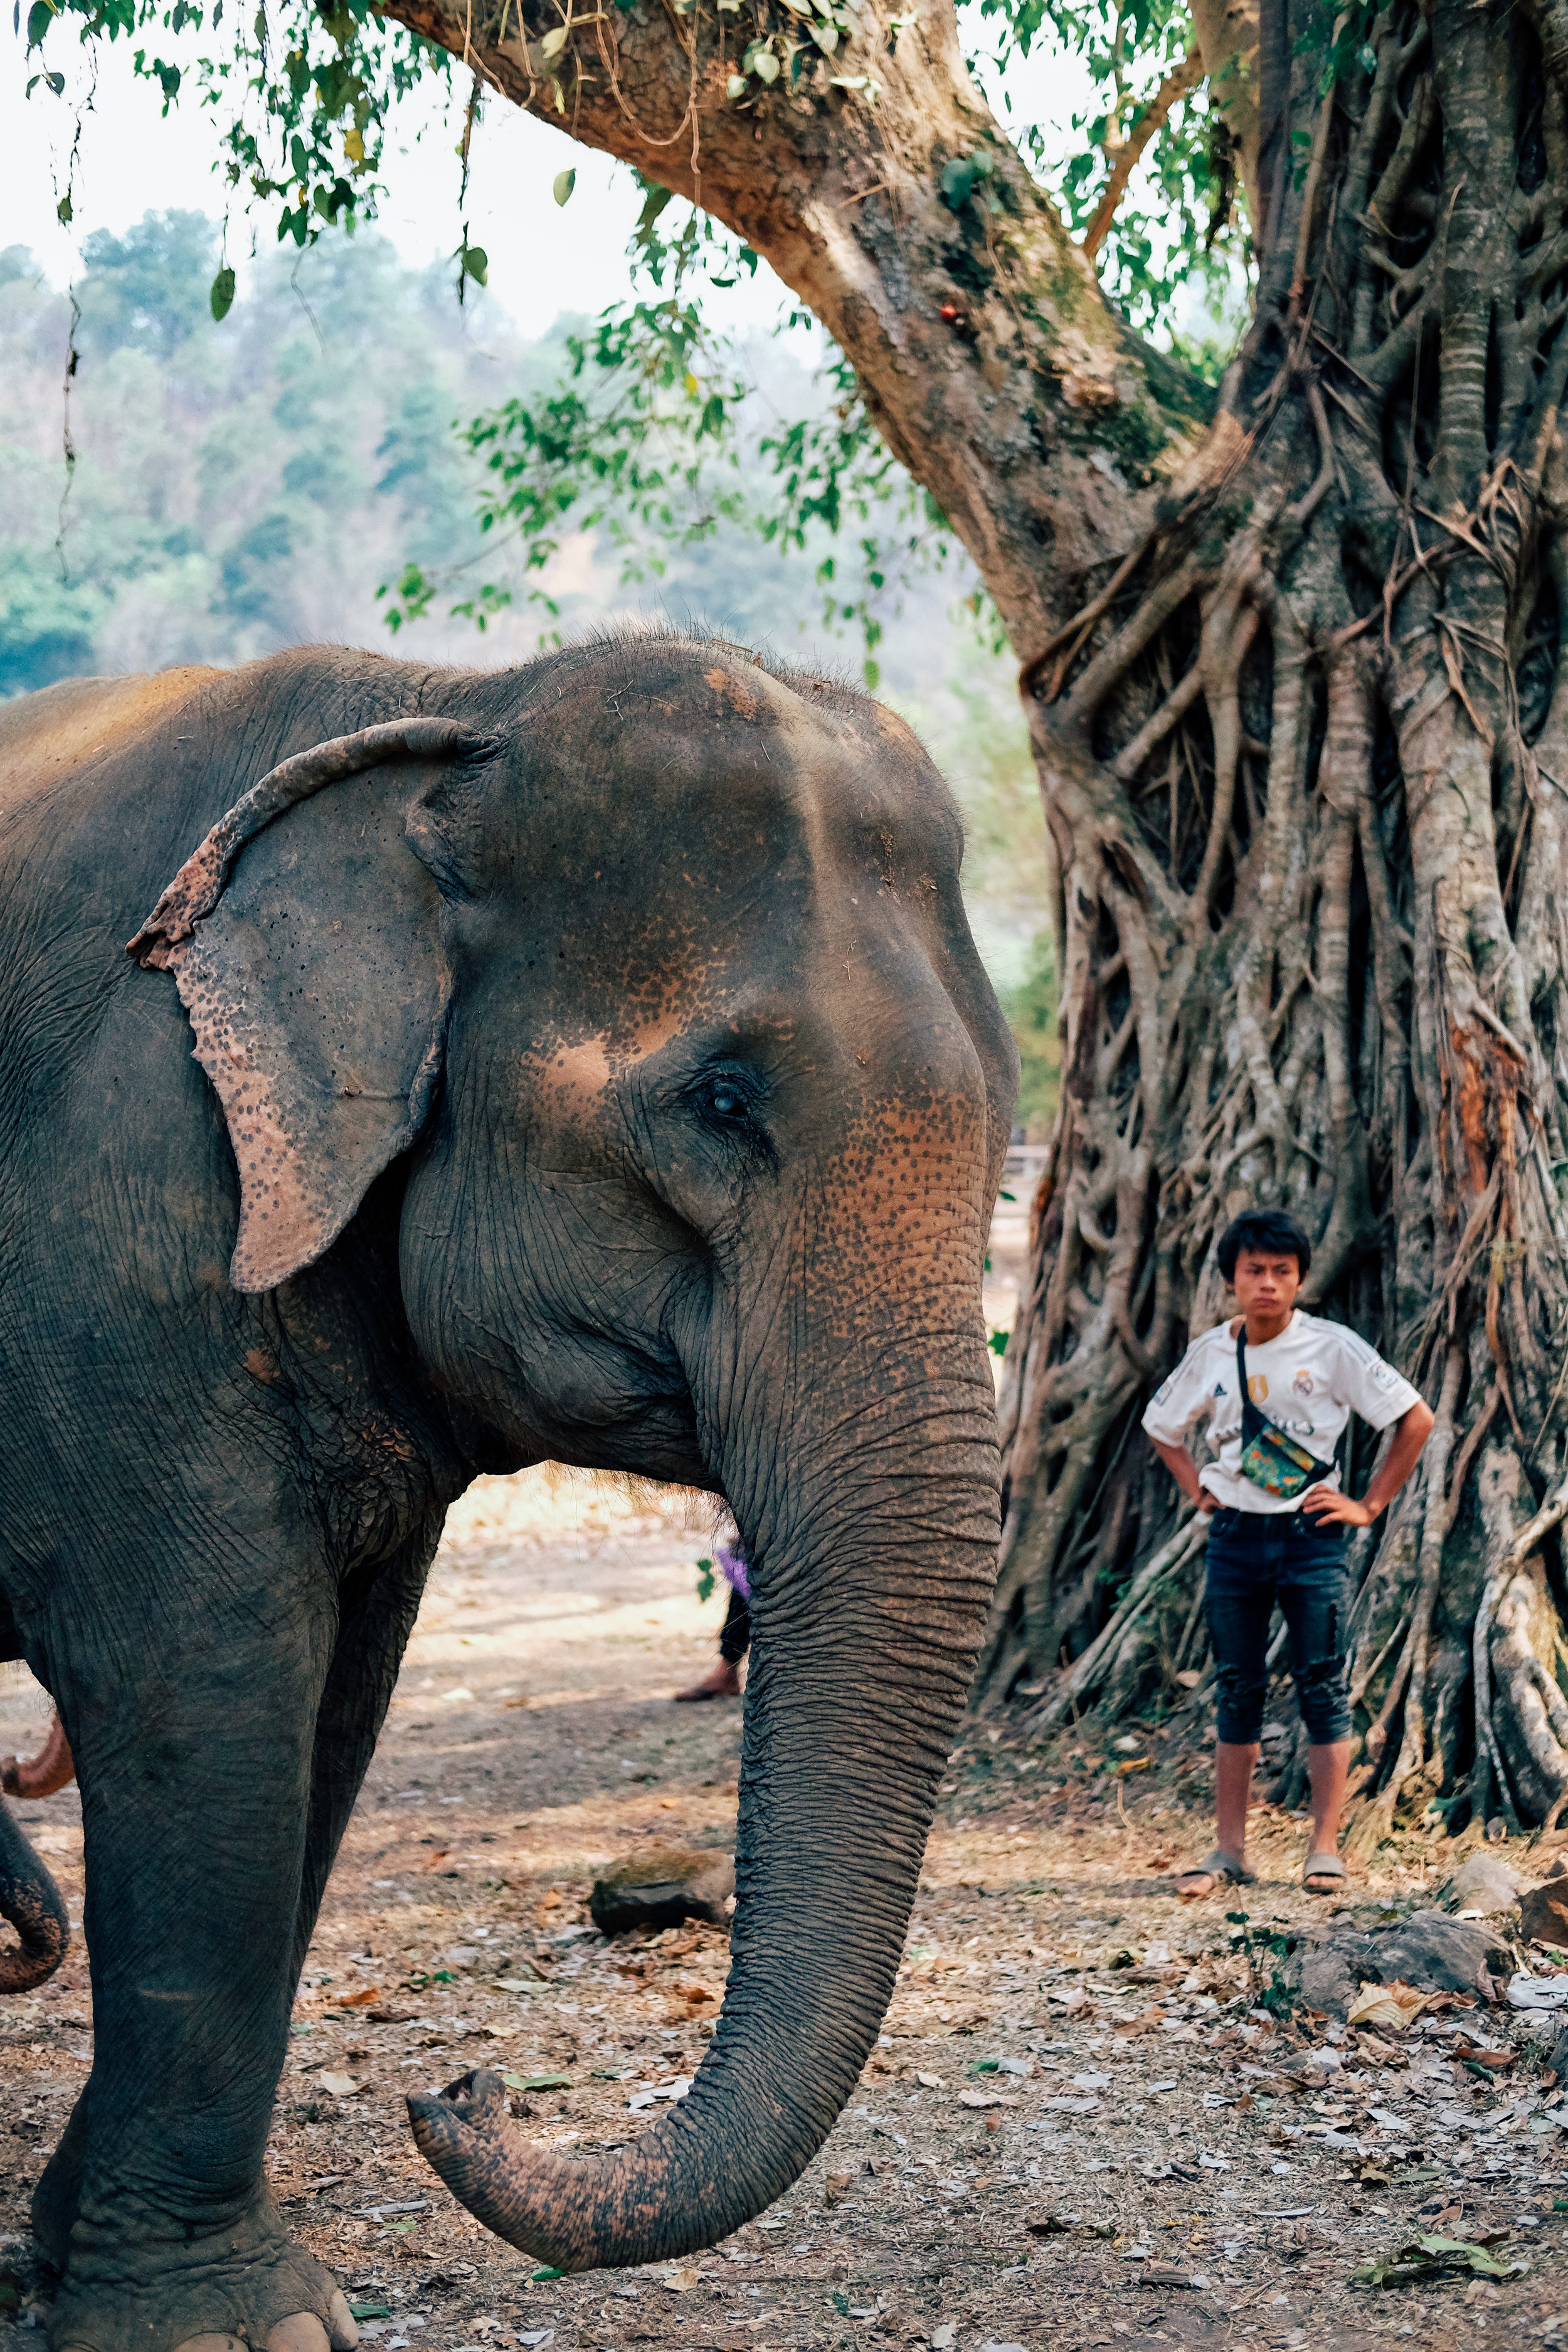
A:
1079,2128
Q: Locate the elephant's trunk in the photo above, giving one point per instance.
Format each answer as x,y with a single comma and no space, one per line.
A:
44,1774
864,1633
35,1906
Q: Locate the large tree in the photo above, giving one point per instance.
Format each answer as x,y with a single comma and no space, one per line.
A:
1291,661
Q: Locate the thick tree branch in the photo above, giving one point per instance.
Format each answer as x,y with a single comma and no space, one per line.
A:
991,364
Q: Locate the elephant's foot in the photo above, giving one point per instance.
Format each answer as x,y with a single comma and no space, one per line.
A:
57,2196
243,2288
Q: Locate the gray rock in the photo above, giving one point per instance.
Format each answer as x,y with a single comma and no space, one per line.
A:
1483,1884
661,1887
1329,1965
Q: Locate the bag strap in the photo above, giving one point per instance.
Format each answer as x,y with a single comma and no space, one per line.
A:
1241,1363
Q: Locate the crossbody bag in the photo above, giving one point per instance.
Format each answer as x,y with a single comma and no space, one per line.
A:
1279,1464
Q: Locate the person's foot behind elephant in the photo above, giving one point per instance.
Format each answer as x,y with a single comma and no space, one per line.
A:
590,1062
723,1681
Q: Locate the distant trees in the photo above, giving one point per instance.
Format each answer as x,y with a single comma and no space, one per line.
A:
234,477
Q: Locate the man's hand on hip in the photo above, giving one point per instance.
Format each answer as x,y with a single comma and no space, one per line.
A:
1331,1505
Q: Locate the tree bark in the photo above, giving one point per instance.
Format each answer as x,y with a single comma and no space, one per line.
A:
1293,677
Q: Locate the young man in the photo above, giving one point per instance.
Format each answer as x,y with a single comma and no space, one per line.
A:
1279,1516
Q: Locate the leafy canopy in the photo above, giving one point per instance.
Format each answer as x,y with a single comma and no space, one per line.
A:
656,431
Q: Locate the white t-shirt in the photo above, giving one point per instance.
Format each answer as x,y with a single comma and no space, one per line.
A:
1308,1382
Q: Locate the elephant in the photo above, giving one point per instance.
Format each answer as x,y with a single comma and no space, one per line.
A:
587,1060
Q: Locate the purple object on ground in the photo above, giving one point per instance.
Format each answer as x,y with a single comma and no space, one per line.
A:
732,1560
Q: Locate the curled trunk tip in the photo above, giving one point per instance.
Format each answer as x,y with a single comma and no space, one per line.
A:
35,1906
575,2216
44,1774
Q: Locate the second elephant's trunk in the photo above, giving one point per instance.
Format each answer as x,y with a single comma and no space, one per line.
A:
861,1663
35,1906
44,1774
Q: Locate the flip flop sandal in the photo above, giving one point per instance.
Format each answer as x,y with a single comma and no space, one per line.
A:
1323,1865
1218,1866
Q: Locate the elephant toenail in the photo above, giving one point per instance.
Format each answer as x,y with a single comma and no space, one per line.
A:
341,2325
214,2342
302,2332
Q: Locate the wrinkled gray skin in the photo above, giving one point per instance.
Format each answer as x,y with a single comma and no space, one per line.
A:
594,1064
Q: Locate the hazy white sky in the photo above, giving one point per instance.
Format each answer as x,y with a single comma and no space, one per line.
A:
544,258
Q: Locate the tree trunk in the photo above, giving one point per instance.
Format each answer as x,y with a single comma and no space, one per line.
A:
1294,681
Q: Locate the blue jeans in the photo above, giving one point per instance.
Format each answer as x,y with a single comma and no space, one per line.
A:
1254,1560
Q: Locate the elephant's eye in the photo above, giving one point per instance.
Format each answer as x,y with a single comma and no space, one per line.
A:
731,1104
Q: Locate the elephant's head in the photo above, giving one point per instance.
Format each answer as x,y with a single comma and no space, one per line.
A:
655,965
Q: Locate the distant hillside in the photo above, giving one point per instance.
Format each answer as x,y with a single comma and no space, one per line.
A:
248,485
238,488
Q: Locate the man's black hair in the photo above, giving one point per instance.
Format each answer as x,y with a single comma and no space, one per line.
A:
1264,1229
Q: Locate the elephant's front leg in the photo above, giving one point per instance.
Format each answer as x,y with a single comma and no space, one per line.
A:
195,1755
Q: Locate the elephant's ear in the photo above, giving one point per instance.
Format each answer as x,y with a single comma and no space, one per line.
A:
313,971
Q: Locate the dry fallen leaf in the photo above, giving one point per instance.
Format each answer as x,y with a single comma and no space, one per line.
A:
1396,2005
987,2099
342,2086
1144,2022
835,2186
358,2000
1493,2058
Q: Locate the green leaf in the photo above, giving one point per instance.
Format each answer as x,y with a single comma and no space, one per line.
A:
704,1579
221,295
537,2278
40,16
997,1343
766,67
536,2081
561,186
475,262
555,41
1428,2256
369,2310
63,210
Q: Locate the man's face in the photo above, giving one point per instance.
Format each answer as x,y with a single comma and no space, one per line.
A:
1265,1283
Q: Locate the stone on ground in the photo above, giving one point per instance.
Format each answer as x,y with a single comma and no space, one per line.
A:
661,1887
1483,1887
1329,1968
